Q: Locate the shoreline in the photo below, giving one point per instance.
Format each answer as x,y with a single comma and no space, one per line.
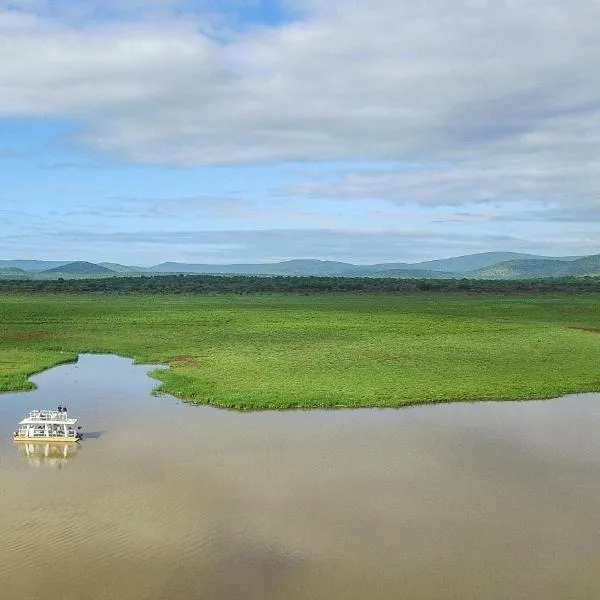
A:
222,406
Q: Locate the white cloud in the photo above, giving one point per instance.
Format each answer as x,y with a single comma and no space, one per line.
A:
504,94
164,208
536,183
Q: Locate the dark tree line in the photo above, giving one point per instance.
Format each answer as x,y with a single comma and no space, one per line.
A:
214,284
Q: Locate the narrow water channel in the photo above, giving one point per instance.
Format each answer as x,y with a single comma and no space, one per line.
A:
168,501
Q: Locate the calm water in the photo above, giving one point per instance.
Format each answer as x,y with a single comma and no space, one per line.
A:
168,501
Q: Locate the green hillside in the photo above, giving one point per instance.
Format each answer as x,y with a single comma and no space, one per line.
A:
473,262
117,268
588,265
12,273
415,274
522,269
537,268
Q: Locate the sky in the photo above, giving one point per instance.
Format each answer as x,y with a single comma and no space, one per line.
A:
207,131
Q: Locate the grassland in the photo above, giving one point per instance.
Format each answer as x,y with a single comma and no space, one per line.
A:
286,351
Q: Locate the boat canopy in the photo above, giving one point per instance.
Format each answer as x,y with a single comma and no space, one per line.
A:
37,417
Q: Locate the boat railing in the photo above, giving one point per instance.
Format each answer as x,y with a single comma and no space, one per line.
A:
47,415
71,433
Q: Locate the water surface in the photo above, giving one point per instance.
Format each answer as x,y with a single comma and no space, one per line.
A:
169,501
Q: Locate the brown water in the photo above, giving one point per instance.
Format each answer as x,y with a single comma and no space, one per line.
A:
169,501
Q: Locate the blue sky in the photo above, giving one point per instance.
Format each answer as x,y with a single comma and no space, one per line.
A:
201,131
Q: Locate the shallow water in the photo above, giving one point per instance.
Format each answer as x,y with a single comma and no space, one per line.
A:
168,501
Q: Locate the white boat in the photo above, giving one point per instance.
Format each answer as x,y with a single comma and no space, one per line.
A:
48,426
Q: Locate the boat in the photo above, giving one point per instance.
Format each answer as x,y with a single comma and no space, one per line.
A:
48,426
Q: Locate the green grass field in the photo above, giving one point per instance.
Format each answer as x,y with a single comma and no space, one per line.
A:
285,351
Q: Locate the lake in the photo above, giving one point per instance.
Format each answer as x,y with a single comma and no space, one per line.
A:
168,501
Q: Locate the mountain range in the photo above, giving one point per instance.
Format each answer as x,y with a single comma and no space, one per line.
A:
486,265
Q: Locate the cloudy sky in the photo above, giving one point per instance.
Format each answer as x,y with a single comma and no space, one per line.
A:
140,131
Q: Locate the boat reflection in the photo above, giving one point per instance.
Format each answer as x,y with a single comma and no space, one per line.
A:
40,454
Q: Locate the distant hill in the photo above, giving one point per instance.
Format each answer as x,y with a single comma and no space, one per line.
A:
472,262
588,265
175,267
533,269
80,268
325,268
123,269
390,266
415,274
12,273
522,269
303,267
32,265
486,265
458,266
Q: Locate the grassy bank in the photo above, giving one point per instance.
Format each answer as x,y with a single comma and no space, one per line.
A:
284,351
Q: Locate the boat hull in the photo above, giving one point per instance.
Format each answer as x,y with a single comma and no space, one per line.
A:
33,440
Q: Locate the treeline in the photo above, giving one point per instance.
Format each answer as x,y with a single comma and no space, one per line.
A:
215,284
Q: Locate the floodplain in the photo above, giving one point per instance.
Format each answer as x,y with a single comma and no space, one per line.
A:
278,351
